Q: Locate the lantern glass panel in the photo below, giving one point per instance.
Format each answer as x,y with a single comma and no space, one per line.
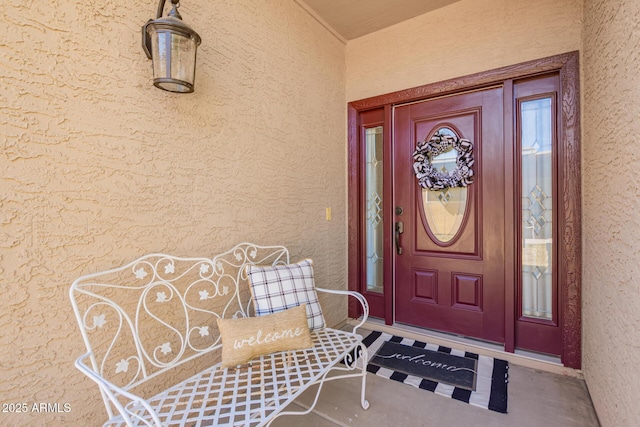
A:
174,59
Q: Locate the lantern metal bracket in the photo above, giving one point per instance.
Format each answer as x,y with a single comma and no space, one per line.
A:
146,39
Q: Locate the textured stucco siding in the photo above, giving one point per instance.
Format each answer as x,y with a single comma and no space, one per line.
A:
99,167
465,37
611,289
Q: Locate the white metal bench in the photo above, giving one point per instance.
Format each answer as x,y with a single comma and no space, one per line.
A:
152,322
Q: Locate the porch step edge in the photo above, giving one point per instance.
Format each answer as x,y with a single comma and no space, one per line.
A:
520,358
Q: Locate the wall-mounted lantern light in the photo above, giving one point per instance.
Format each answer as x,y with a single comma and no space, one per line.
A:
172,45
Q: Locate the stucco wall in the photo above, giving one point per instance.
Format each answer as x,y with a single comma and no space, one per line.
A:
466,37
611,289
98,167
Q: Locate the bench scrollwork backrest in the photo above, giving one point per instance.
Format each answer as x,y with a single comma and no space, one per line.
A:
160,311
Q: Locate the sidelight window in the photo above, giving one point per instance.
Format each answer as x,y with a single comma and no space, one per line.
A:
374,190
536,118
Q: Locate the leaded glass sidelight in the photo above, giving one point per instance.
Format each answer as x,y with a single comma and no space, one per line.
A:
536,118
444,209
373,184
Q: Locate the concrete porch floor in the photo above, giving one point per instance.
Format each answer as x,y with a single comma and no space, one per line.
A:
535,398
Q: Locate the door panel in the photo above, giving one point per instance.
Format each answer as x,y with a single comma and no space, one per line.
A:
538,318
373,144
453,284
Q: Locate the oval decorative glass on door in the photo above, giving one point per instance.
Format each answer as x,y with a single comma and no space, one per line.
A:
444,209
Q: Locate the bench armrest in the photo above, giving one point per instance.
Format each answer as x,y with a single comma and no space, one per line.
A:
110,393
357,295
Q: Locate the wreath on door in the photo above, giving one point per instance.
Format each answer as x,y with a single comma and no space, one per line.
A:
429,177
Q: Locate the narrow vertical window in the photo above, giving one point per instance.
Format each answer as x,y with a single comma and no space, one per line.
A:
374,228
536,118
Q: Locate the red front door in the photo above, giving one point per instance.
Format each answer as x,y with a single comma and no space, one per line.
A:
450,257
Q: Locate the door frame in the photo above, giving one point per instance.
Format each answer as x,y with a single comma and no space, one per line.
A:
569,190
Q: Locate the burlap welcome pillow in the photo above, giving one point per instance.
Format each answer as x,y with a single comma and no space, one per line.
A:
246,338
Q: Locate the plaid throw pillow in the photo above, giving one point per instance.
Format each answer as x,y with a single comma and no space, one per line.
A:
281,287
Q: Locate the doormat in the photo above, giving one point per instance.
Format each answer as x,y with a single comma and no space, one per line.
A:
468,377
437,366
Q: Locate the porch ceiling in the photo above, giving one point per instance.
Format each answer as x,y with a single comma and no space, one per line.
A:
355,18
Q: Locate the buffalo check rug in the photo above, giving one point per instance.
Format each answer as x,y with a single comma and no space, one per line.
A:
468,377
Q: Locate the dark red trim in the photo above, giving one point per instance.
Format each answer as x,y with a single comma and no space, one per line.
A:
353,210
389,216
570,224
509,218
470,82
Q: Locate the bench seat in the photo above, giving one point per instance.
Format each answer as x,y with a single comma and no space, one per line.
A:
253,394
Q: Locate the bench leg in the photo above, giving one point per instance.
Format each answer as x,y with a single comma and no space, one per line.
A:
351,361
364,357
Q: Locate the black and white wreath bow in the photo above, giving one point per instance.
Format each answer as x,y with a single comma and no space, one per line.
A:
429,177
